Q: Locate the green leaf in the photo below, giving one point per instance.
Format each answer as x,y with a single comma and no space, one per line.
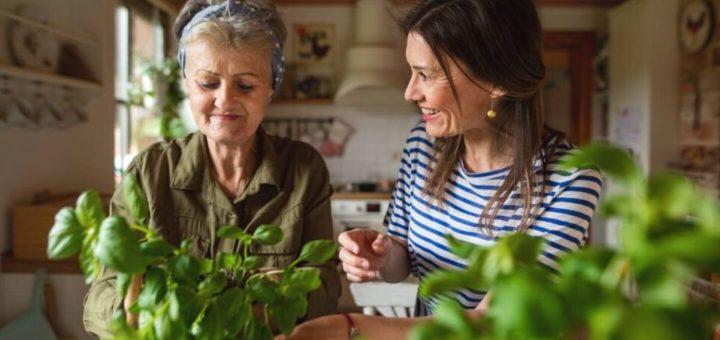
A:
296,304
156,247
448,313
118,247
645,322
283,317
213,284
439,282
184,305
66,236
252,262
135,199
671,194
166,329
301,281
697,249
209,325
123,282
588,264
153,290
262,289
516,250
267,234
120,329
234,233
88,262
526,305
604,319
236,308
617,205
460,248
611,160
664,291
257,331
206,265
707,211
318,251
228,260
184,268
89,209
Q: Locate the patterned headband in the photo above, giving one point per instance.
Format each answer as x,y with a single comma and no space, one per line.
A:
241,10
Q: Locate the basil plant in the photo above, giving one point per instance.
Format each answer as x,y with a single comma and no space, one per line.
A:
669,234
183,296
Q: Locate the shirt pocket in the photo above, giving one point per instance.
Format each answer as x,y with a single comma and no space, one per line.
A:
284,252
195,231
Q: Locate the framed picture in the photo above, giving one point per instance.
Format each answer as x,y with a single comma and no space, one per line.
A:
313,43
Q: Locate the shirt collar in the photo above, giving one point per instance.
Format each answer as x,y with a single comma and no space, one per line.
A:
194,164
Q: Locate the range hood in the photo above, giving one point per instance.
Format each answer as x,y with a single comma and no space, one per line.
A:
375,73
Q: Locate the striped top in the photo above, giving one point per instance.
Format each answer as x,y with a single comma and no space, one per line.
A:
562,220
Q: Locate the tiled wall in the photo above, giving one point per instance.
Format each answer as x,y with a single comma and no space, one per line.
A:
373,150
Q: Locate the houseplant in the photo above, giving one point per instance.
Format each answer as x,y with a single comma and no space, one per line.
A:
157,87
669,232
184,297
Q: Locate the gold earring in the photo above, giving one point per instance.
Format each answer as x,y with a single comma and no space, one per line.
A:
491,113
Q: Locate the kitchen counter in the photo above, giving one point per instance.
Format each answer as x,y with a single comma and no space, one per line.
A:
362,195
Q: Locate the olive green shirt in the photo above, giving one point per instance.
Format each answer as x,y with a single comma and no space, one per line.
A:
290,188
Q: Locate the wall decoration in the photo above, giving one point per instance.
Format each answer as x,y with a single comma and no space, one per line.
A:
697,22
313,43
628,129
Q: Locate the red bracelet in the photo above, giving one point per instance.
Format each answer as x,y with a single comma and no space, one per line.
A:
353,332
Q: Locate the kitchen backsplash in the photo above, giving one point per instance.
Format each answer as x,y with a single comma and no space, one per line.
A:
372,151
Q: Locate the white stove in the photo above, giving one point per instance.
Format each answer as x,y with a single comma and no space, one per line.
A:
351,213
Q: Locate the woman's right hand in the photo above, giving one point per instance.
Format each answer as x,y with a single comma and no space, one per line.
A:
363,253
131,296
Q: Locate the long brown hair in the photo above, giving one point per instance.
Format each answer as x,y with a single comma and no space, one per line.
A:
497,41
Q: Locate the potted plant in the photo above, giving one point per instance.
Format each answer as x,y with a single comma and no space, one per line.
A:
163,97
669,232
184,297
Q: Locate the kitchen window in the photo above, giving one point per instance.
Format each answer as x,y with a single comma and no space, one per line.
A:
142,36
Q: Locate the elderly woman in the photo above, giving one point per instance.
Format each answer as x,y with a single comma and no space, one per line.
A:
482,164
230,172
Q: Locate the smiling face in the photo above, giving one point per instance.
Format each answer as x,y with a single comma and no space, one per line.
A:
228,90
430,88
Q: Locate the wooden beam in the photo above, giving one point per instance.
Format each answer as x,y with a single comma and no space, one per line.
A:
175,5
587,3
313,2
172,7
543,3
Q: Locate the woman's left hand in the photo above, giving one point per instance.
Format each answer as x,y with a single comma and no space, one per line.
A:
327,327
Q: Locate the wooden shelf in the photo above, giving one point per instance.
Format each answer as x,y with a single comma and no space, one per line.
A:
12,265
55,79
313,2
50,29
310,101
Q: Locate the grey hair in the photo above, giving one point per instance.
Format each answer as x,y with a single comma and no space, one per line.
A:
257,25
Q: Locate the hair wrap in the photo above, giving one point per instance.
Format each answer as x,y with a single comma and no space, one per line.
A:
238,9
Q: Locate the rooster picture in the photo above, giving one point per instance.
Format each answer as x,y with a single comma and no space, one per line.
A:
696,25
313,43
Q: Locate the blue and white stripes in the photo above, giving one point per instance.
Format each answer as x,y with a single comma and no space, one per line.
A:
566,210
